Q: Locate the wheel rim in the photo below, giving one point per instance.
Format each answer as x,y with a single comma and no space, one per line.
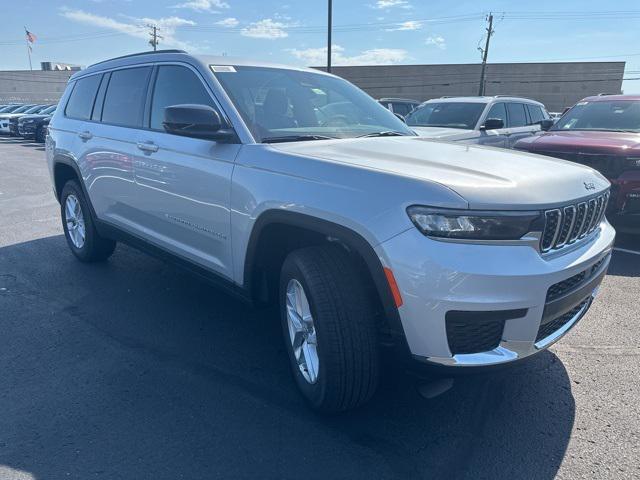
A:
302,331
75,221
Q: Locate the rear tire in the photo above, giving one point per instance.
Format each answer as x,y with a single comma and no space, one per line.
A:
341,328
82,237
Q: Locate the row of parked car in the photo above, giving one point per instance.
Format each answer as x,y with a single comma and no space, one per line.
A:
602,132
26,120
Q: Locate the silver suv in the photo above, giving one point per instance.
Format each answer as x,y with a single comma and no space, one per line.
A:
292,186
498,121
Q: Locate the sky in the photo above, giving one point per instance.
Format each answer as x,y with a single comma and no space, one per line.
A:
366,32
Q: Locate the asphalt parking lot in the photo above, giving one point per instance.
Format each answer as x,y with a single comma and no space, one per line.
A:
134,369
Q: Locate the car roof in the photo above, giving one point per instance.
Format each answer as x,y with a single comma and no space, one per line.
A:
609,98
177,55
392,99
485,99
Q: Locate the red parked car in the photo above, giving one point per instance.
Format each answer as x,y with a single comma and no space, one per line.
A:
602,132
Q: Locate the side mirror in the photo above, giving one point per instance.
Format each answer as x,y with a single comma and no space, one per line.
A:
492,124
400,117
546,124
196,121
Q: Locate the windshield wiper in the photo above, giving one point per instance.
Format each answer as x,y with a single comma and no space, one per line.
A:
386,133
295,138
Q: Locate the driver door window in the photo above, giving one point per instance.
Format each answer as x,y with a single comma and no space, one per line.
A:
498,111
176,85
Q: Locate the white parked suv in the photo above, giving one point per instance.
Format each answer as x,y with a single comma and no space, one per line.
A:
498,121
366,235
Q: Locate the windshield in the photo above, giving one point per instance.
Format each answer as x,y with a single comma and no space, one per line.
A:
22,109
50,109
447,114
36,109
615,115
282,105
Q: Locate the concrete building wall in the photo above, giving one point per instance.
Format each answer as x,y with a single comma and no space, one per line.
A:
37,86
557,85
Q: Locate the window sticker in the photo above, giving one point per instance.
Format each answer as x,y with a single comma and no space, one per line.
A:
222,69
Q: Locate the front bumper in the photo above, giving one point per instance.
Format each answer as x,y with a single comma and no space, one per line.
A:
438,278
26,130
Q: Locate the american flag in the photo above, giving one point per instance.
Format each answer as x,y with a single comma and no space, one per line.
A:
30,36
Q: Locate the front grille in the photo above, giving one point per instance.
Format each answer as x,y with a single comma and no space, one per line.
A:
559,289
475,332
554,325
565,225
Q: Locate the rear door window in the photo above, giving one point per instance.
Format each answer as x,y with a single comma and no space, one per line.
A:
517,115
81,100
125,97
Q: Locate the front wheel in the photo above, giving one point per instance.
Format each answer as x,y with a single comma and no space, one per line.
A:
328,325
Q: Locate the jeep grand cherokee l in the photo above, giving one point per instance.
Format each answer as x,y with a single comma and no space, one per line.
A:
363,233
602,132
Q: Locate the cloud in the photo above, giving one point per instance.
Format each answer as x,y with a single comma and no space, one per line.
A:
266,28
375,56
203,5
436,41
167,26
228,22
385,4
409,25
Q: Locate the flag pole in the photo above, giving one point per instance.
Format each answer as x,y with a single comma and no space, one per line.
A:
28,48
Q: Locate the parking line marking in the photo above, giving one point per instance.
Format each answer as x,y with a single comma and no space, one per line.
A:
625,250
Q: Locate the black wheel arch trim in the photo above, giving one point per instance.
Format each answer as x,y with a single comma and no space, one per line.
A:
352,240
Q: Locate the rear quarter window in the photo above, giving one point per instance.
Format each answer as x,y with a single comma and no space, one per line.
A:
80,102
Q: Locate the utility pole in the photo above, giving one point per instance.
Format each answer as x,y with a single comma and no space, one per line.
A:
330,7
485,54
155,38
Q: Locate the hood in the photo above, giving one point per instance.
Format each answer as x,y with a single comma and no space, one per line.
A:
33,116
439,132
11,115
488,178
580,141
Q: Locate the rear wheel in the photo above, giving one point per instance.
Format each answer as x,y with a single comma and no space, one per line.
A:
328,325
82,237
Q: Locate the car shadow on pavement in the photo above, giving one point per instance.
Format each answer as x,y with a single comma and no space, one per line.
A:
134,369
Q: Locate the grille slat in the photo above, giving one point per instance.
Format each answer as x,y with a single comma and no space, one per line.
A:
566,225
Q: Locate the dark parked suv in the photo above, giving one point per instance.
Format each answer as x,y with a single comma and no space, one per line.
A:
35,125
602,132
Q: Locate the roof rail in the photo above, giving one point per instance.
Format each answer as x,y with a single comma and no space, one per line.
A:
604,94
515,96
137,54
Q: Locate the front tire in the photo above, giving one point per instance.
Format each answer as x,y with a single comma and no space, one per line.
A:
82,237
328,324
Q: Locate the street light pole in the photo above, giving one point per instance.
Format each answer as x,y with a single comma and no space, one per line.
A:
330,5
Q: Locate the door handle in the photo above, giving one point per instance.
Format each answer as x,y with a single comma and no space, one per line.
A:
86,135
148,147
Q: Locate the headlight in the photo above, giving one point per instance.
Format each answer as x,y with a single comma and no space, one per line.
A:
474,225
